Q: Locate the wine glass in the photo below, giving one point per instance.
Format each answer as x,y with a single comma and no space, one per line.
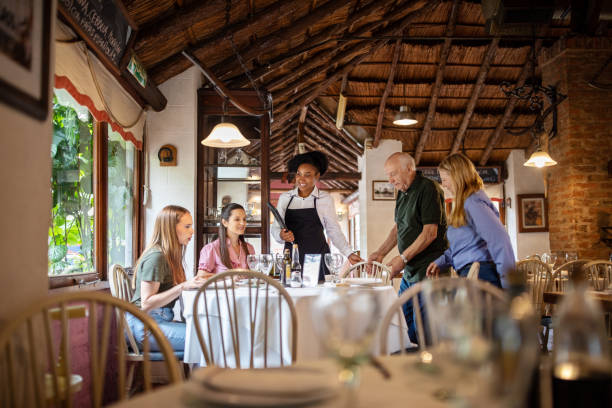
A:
334,262
550,259
295,281
346,322
253,262
266,261
571,256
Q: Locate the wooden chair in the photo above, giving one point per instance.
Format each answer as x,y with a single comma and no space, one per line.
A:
374,269
539,279
599,272
267,302
572,267
482,296
36,366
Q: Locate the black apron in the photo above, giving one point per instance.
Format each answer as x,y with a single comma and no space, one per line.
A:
308,233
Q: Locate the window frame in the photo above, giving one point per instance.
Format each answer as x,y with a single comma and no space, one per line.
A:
100,185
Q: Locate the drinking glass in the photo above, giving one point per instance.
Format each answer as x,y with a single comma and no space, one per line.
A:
295,281
253,262
550,259
279,265
571,256
334,262
345,320
266,261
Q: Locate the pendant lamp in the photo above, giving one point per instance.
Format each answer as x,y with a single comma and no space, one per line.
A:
540,158
225,134
404,117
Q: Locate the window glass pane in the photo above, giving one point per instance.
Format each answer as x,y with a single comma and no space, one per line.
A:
71,234
121,158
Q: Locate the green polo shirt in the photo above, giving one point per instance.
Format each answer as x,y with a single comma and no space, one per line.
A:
422,203
153,267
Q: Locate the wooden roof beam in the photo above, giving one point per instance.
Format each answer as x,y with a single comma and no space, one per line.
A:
272,40
333,137
300,126
321,119
509,108
317,89
383,100
335,152
431,112
480,81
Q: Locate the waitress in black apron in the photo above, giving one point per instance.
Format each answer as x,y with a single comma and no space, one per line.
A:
310,213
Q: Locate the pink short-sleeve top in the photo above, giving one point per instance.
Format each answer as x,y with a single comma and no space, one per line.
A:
210,257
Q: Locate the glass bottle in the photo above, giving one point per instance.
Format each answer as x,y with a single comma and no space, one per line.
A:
296,268
286,272
581,362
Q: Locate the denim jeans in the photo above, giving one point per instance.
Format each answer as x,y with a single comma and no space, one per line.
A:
174,331
487,272
409,314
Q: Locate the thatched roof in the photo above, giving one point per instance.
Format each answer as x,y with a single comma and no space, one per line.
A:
435,56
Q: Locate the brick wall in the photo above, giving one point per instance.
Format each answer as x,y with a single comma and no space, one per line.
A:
580,189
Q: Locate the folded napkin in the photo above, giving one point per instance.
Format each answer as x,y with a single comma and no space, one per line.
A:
281,382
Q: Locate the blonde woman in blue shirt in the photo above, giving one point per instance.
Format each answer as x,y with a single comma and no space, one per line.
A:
475,233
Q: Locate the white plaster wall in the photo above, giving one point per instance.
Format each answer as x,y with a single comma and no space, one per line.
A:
523,180
337,197
25,208
377,217
176,125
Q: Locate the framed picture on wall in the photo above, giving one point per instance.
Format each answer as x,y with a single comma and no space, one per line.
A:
382,190
532,213
24,55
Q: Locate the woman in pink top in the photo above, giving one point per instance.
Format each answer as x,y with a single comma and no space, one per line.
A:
230,250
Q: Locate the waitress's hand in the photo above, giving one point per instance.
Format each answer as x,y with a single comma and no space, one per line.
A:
433,270
287,236
354,258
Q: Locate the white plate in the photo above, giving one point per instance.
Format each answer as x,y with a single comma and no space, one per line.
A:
272,387
364,281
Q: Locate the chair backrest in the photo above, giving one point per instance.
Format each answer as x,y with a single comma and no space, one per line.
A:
121,287
534,256
262,308
539,279
36,366
473,272
373,269
599,272
571,267
483,299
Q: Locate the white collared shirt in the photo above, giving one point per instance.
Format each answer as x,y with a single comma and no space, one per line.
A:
326,210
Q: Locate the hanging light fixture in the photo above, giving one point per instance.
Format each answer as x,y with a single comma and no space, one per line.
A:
540,158
404,117
225,134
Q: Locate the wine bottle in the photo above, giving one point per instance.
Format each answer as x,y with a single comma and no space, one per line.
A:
295,260
286,272
581,363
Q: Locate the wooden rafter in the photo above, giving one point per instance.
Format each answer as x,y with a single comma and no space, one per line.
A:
333,140
341,156
397,49
272,40
480,81
300,127
431,112
322,119
509,108
372,47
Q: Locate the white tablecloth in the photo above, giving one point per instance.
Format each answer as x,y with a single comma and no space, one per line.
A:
308,345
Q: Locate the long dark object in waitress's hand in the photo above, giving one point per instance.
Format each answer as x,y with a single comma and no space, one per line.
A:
277,216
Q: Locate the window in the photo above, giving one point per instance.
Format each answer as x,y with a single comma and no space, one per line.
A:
71,234
121,166
93,182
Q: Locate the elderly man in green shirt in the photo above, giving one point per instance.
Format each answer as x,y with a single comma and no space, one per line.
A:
419,230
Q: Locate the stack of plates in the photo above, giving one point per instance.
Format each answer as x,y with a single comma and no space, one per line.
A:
271,387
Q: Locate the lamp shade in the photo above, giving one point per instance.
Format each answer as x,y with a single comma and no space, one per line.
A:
540,159
404,117
225,135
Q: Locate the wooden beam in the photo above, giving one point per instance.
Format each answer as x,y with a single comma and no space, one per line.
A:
383,100
335,153
272,40
300,127
220,87
480,81
325,126
431,112
319,38
509,108
330,138
328,123
317,89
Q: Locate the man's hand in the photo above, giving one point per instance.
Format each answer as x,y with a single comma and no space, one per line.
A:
397,265
375,257
433,270
287,236
354,258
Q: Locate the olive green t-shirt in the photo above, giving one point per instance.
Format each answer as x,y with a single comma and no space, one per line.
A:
153,268
422,203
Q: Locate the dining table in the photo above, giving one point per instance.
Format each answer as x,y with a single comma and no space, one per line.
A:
604,298
410,382
309,347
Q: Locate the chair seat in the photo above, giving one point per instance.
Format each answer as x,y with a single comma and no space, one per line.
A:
158,356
